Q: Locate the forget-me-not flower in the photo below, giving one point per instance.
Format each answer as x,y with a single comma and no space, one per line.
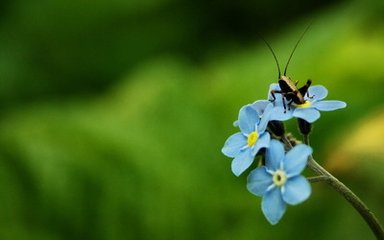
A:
279,182
314,103
261,107
244,145
309,110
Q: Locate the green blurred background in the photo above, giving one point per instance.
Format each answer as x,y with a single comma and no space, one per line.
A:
113,115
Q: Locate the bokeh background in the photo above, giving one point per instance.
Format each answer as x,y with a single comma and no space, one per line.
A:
114,112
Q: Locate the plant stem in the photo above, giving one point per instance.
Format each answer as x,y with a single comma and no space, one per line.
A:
354,200
318,179
286,141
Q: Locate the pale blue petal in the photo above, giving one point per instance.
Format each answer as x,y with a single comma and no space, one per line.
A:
280,114
242,161
258,181
273,205
329,105
247,119
296,190
260,106
234,144
316,93
262,142
296,159
274,155
236,123
273,86
278,102
265,118
308,114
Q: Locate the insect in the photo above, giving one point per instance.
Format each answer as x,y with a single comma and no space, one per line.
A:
288,88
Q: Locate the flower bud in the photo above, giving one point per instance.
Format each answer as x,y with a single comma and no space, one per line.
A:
261,156
277,128
304,126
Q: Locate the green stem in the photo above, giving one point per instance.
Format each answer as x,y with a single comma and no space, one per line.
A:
318,179
286,141
354,200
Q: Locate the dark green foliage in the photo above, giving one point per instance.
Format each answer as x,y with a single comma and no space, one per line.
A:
50,48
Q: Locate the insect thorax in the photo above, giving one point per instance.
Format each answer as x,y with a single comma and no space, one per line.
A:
287,85
290,90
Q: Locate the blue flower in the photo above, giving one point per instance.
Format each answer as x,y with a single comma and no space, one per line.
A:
310,110
279,182
261,107
244,145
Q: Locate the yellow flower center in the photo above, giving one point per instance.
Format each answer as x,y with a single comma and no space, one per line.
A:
304,105
252,138
279,178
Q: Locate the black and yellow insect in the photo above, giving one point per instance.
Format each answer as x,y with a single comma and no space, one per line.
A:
290,92
288,88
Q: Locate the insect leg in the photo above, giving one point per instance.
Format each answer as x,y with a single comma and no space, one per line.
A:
273,94
304,89
289,105
291,96
309,84
284,105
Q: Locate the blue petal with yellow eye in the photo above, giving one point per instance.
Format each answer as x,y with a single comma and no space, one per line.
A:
279,182
244,145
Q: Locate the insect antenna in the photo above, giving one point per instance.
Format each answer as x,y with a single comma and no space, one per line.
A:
274,55
294,48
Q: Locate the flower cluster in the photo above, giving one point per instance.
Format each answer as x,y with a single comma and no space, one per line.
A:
278,178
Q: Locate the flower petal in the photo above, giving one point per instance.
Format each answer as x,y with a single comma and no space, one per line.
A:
274,155
316,93
248,118
259,181
273,205
262,142
234,144
273,86
242,161
296,159
296,190
280,114
260,106
265,118
308,114
329,105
